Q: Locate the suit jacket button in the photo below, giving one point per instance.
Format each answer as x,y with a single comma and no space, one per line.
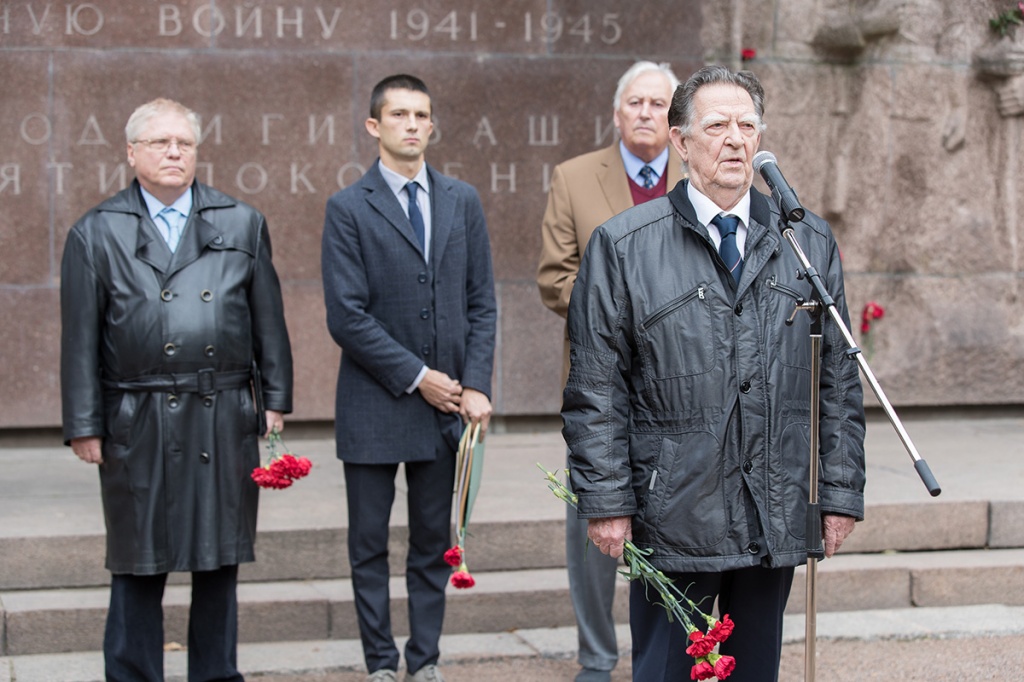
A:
422,278
425,314
425,349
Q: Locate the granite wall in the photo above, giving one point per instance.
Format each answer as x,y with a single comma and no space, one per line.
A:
896,120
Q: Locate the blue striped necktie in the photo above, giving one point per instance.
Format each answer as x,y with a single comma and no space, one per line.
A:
728,249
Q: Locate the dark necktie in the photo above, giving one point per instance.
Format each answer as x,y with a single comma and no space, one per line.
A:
415,217
727,249
647,173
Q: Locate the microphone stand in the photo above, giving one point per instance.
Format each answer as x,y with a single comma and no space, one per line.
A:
822,303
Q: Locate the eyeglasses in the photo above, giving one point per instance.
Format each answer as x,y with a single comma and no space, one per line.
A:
162,144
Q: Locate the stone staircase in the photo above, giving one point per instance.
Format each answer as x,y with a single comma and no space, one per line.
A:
919,552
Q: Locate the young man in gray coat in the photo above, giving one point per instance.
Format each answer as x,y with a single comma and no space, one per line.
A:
409,293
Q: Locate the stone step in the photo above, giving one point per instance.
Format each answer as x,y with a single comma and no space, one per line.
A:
65,620
521,649
319,553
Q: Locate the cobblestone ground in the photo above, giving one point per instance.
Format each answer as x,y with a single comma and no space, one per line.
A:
933,660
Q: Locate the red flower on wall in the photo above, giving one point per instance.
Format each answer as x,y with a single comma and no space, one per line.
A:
872,311
748,53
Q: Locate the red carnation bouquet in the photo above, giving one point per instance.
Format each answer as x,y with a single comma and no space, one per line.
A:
283,468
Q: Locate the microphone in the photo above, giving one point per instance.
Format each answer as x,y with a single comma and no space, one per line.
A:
767,165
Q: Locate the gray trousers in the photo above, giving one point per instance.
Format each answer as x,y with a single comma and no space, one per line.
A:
592,588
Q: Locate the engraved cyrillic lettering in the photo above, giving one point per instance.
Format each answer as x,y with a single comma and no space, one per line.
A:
205,169
116,181
10,173
345,170
296,22
484,129
299,175
539,131
449,169
249,187
327,127
28,124
92,128
59,167
74,19
37,24
603,133
496,177
255,19
327,30
213,127
267,118
170,20
214,24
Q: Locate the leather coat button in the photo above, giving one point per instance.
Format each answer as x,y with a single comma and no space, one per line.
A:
208,402
170,349
166,295
209,351
748,466
172,400
745,387
753,548
205,457
206,295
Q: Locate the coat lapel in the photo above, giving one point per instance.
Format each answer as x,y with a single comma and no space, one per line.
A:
611,175
384,202
442,206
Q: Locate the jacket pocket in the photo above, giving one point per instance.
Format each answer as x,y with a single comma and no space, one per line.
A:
675,340
120,416
685,501
795,468
791,339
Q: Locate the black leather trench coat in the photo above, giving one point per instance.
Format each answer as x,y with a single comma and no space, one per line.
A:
158,352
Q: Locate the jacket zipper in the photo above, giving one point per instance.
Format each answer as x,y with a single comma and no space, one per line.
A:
773,283
671,308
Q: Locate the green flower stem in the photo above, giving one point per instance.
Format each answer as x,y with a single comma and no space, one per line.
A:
675,602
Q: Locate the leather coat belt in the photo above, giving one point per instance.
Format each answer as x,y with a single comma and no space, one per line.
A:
205,382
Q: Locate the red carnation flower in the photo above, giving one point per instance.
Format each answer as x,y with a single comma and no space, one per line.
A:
462,580
722,629
724,667
292,466
702,671
267,478
872,311
701,646
453,557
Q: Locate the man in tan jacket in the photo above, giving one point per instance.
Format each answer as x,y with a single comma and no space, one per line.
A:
585,192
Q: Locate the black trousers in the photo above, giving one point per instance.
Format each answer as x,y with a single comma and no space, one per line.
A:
371,492
755,599
133,644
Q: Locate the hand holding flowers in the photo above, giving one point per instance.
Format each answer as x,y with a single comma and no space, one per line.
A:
283,468
677,605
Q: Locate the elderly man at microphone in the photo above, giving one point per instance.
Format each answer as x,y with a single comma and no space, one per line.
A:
687,406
